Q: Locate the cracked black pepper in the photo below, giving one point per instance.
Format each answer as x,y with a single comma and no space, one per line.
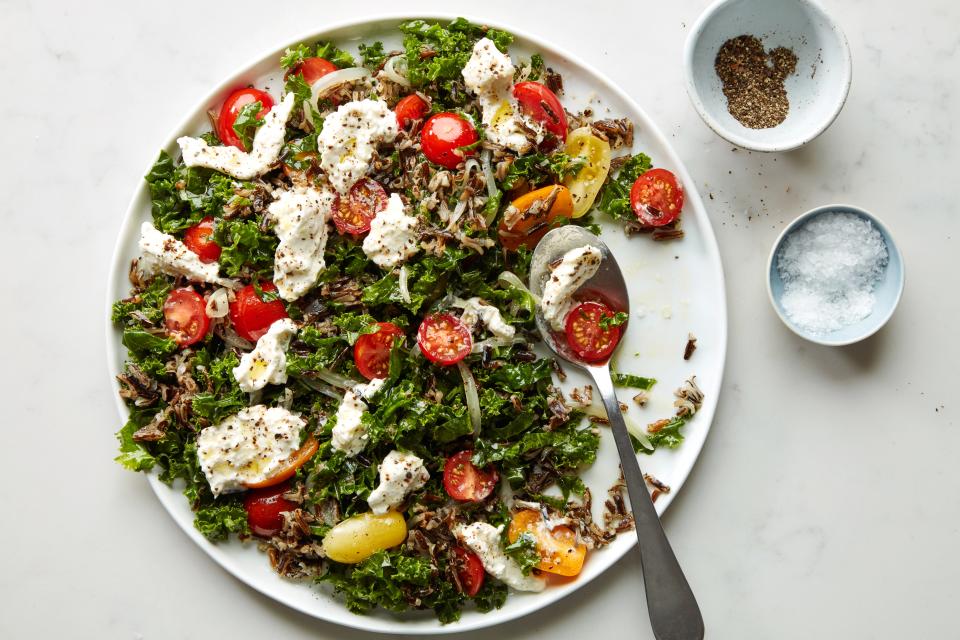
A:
753,81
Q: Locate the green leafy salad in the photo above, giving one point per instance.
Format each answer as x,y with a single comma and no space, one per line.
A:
330,333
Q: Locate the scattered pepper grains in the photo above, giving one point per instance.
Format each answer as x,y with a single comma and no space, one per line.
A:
753,81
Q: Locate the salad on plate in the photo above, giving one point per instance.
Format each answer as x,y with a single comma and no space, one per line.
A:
330,335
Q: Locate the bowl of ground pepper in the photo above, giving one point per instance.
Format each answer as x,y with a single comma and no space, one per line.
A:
767,75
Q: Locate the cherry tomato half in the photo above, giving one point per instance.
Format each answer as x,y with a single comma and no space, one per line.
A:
586,337
371,353
527,228
560,553
231,109
296,460
251,316
264,508
443,339
365,200
462,480
656,197
199,239
185,316
469,570
312,69
413,107
443,137
543,105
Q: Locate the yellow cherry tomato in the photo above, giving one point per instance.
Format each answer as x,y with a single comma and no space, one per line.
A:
585,185
522,227
359,537
559,551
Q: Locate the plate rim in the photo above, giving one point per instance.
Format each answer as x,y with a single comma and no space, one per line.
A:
706,415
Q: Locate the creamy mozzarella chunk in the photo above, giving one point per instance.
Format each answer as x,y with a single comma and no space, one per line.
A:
350,137
301,216
247,447
484,540
393,235
349,435
162,253
235,162
267,363
400,473
489,74
476,310
577,266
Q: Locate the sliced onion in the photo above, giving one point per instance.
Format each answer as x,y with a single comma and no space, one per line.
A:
335,379
486,161
321,387
508,278
404,290
471,395
391,73
495,342
334,79
599,411
233,340
457,213
218,304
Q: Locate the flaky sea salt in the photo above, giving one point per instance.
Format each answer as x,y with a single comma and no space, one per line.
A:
829,267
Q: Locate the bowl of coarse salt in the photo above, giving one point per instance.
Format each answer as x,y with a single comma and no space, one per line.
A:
835,276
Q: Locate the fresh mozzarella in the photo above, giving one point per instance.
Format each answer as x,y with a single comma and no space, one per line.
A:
400,473
162,253
489,74
267,363
350,137
300,215
484,540
248,447
393,236
577,266
476,310
349,435
238,163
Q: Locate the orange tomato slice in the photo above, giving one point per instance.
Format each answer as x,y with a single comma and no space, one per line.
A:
296,460
559,552
521,227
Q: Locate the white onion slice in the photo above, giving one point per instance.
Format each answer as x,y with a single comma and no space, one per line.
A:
391,73
404,289
471,395
457,213
218,304
486,159
495,342
508,278
598,411
334,79
335,379
321,387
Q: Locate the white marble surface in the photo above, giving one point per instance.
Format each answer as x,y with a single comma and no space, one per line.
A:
825,503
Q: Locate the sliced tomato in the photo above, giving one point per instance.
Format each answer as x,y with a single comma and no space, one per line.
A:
312,69
462,480
543,105
527,219
354,214
656,197
444,139
586,336
411,108
185,316
371,352
443,339
560,553
299,458
469,570
199,239
586,183
252,316
231,108
265,509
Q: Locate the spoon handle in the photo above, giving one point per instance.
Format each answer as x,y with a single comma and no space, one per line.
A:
673,610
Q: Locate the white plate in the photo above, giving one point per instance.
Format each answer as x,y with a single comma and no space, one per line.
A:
677,286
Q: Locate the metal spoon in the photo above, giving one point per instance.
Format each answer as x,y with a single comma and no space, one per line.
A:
673,610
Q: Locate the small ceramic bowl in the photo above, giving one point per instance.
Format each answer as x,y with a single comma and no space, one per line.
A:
887,292
816,90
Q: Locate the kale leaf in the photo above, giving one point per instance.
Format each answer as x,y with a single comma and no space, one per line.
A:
615,195
524,552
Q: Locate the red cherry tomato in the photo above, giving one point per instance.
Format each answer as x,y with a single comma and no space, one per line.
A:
251,316
444,339
231,109
185,316
469,570
463,481
264,508
365,200
656,197
371,353
543,105
443,137
586,337
413,107
199,239
312,69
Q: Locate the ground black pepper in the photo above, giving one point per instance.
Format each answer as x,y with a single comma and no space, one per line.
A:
753,81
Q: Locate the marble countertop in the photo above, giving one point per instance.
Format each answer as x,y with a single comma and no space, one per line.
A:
825,501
